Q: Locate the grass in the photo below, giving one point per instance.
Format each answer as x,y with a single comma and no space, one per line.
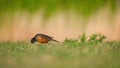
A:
53,5
72,53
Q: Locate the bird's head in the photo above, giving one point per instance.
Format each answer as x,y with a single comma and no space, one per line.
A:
33,40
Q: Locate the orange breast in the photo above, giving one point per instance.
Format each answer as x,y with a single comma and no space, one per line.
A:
41,39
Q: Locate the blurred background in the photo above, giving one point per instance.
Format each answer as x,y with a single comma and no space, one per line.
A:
22,19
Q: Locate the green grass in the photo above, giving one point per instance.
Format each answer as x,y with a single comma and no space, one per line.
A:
71,53
52,5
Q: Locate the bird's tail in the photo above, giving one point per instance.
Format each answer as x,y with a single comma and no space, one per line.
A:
55,40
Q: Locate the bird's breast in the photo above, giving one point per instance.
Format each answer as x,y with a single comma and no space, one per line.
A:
41,39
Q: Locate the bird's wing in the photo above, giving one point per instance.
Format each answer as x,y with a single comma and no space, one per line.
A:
45,36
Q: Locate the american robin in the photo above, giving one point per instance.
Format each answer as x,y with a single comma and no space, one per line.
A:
42,38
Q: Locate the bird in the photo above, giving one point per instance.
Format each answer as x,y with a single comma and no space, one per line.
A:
42,38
